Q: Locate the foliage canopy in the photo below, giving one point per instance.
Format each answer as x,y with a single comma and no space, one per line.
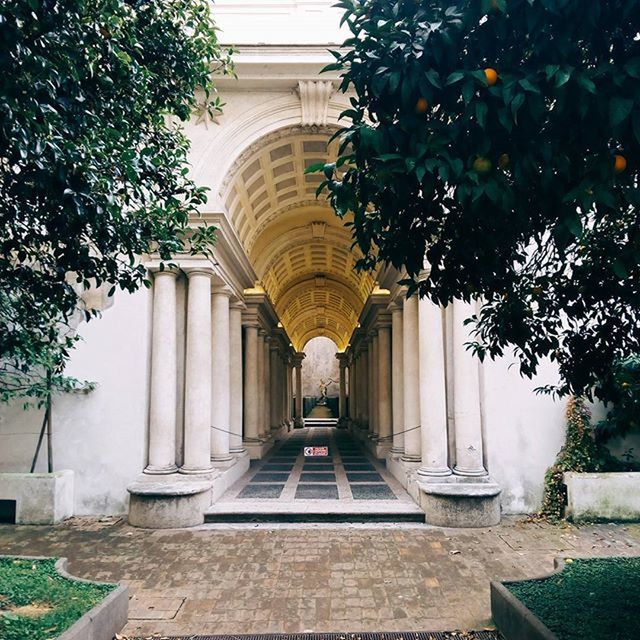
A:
501,140
92,163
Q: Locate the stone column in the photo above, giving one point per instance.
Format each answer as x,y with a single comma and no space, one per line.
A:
275,390
235,379
197,378
411,382
163,386
261,385
384,384
250,388
373,384
433,412
298,364
267,385
466,397
290,407
342,400
364,385
220,378
397,391
351,394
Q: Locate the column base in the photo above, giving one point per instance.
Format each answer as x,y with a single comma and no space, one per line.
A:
196,471
429,474
160,471
470,473
460,503
223,462
298,423
396,452
257,450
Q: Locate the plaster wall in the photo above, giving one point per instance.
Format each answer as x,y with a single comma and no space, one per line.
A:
100,435
523,432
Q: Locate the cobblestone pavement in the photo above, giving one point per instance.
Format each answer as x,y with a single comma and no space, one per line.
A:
222,579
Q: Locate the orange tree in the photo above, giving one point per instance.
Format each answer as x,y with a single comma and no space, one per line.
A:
500,140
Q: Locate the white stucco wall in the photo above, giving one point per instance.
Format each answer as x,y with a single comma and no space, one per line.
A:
523,432
101,435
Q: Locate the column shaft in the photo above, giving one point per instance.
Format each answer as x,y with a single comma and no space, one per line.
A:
250,389
197,379
220,391
267,385
466,397
299,391
261,385
410,378
274,391
384,384
235,382
397,380
163,392
433,410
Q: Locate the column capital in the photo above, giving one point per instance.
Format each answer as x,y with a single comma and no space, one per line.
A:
343,359
297,359
164,272
198,271
221,290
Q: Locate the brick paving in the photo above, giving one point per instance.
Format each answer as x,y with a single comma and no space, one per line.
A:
228,579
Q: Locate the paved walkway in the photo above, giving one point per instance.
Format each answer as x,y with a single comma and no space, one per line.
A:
348,480
228,579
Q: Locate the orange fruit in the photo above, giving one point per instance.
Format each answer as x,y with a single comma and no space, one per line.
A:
504,160
491,76
620,163
482,165
421,106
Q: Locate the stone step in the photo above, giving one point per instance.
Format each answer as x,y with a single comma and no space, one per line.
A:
323,511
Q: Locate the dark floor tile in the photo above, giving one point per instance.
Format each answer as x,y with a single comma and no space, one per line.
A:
317,477
326,460
372,492
267,476
277,466
317,491
262,491
358,466
318,467
363,476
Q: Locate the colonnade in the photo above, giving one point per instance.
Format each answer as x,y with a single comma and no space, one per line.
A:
233,391
406,378
409,377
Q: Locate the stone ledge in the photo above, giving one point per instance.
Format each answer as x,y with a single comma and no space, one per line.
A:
41,498
170,504
101,622
176,488
513,619
603,496
460,502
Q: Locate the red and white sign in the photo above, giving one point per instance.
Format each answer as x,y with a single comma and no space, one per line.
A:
316,452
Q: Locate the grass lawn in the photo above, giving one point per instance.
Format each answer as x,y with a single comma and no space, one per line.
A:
36,603
598,599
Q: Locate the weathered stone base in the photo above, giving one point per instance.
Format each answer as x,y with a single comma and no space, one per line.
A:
257,450
169,504
460,502
230,475
41,498
603,496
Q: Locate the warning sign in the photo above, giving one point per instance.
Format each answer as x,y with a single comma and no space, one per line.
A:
316,452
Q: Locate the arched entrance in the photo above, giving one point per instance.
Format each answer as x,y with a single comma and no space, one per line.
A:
321,382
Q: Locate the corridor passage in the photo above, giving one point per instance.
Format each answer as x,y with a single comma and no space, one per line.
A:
347,481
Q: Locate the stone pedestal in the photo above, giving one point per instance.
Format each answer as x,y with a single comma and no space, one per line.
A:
460,503
168,505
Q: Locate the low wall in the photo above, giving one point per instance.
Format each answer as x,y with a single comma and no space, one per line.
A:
603,496
41,498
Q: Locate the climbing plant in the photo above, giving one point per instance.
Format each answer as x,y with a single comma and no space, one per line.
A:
93,168
580,453
501,140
